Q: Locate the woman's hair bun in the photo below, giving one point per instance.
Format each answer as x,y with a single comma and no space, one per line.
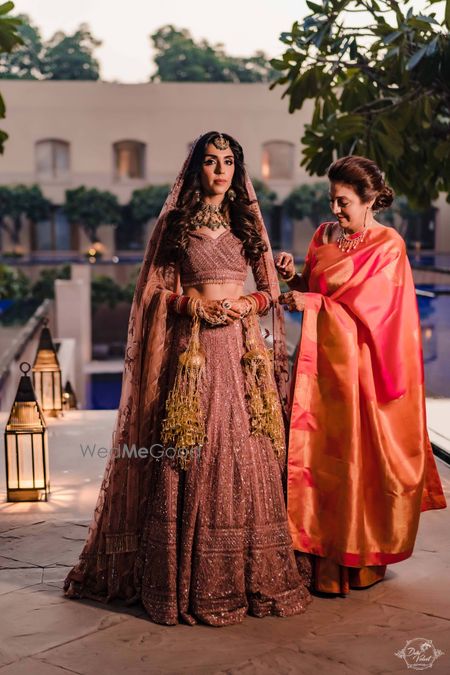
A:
384,199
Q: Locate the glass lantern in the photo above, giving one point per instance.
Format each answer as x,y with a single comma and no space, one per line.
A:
26,446
69,397
47,374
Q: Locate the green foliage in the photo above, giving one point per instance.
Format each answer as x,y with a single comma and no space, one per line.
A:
147,202
9,34
309,201
105,290
19,203
44,287
266,197
14,284
379,90
180,59
25,60
9,38
91,208
63,57
70,57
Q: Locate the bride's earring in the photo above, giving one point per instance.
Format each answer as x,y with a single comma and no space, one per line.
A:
198,196
231,195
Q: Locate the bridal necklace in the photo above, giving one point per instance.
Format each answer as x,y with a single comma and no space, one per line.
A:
209,215
348,242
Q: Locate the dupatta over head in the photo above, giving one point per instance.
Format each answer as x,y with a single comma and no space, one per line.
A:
107,560
360,465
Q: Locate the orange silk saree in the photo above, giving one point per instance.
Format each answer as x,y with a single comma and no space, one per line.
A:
360,464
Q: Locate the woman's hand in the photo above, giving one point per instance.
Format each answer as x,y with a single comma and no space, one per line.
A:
293,300
236,309
223,311
213,312
284,262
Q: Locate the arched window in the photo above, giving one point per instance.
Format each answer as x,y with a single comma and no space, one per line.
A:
52,158
278,160
129,160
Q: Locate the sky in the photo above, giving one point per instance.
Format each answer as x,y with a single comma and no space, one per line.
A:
243,26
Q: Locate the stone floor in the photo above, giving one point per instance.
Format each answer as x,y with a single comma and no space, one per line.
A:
43,633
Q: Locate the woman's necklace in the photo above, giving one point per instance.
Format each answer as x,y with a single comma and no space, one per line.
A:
209,215
347,242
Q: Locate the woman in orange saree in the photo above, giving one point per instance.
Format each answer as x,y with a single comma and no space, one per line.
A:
360,466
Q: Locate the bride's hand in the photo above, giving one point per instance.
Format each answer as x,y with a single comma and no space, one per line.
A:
293,300
237,308
284,262
213,312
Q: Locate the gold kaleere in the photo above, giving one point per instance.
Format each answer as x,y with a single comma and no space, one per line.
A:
262,398
184,424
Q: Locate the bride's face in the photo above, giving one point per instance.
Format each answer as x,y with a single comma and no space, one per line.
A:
217,170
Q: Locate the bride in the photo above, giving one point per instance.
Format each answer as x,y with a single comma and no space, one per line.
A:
196,528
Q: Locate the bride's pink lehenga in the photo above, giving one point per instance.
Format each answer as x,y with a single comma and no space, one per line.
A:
210,543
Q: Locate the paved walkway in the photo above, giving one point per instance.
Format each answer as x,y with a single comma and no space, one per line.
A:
43,633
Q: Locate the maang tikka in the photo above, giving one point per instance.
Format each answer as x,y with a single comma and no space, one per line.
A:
220,142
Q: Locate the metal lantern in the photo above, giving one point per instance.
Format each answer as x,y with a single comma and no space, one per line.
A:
69,397
26,446
47,374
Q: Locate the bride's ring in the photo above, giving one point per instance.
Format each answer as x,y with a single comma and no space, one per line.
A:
226,304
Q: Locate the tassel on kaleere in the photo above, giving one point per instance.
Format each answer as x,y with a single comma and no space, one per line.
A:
184,424
262,398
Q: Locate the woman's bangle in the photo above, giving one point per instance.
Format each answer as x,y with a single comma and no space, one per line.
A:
251,306
288,279
183,304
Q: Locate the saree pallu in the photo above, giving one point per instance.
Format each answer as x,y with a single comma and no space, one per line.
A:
360,464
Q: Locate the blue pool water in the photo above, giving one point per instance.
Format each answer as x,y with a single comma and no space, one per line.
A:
103,391
432,260
435,323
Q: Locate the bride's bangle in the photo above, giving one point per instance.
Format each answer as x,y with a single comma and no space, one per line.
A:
288,279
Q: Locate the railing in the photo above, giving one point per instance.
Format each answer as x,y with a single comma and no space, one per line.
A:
19,344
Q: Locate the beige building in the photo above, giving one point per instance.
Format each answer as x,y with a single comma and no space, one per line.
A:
120,137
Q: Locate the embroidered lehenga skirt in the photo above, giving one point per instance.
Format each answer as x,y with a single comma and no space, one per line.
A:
215,543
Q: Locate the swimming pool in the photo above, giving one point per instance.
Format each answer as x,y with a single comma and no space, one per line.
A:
435,322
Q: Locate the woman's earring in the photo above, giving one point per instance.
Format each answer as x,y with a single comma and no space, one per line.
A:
197,195
231,195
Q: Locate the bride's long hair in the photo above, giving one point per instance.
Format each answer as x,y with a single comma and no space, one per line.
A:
241,212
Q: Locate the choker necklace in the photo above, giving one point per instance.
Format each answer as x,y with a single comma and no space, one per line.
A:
209,215
347,242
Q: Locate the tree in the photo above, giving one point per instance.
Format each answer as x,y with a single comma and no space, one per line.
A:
91,208
14,284
9,38
25,60
146,203
309,201
44,287
19,204
265,196
180,59
380,89
63,57
70,57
